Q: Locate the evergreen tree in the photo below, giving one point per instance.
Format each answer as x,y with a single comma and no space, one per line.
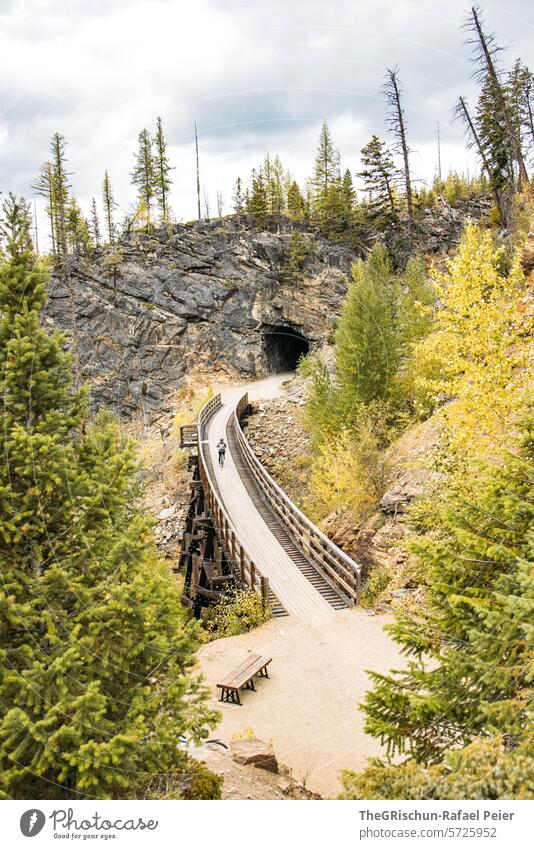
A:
238,198
472,642
327,198
60,193
274,185
298,251
379,176
366,336
495,141
78,232
95,689
296,203
143,177
162,169
486,769
348,195
256,202
520,87
95,225
44,186
485,56
109,208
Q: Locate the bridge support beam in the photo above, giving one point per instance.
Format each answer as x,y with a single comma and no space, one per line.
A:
207,572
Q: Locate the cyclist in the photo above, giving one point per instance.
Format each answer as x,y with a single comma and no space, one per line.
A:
221,448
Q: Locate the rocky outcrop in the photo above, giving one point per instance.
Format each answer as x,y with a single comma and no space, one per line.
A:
206,298
214,298
254,753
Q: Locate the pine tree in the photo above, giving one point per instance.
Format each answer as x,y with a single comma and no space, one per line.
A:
366,336
327,198
143,176
297,252
109,208
348,194
472,643
256,202
95,655
95,225
296,203
485,55
44,186
238,198
520,87
162,169
273,171
60,192
495,141
78,232
379,176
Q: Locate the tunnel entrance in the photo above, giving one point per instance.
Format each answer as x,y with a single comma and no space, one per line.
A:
283,347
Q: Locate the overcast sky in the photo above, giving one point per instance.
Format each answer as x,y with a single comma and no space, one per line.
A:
256,75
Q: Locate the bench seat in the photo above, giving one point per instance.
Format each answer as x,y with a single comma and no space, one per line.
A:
242,678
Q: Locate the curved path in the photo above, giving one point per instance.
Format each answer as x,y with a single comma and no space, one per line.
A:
297,595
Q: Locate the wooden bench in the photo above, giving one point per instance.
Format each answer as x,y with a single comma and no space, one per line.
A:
242,678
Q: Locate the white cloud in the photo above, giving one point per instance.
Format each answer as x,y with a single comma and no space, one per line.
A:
256,76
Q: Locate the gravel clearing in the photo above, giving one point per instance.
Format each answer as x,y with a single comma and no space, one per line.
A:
308,709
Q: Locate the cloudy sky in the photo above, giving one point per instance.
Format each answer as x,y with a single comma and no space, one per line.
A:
256,75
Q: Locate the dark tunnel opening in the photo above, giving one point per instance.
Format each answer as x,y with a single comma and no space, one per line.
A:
283,347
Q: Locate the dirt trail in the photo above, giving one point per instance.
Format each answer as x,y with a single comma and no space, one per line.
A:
308,707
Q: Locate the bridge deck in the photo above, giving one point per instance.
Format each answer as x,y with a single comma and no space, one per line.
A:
295,592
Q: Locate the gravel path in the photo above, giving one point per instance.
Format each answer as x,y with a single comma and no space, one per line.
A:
309,706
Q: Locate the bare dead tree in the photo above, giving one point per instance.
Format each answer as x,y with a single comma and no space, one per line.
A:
440,176
485,53
220,204
198,173
206,204
397,125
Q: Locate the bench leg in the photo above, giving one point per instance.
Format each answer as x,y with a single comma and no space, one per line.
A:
250,685
230,696
263,673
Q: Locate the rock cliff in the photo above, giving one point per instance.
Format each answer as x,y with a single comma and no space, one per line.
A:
212,298
209,298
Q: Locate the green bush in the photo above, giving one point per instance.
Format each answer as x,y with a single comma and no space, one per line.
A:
236,613
375,584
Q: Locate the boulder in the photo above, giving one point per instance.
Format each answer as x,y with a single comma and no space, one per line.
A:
398,499
254,753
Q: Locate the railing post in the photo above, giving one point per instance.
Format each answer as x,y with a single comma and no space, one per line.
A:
264,592
242,564
252,574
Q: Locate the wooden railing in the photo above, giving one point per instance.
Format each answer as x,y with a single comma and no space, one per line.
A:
333,563
244,569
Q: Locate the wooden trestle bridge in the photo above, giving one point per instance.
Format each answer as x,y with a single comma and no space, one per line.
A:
243,530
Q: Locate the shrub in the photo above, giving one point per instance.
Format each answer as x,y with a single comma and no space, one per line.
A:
236,613
375,584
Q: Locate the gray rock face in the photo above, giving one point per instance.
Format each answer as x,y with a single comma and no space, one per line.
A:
209,297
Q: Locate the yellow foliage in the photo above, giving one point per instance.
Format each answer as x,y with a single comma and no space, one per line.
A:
349,473
475,353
